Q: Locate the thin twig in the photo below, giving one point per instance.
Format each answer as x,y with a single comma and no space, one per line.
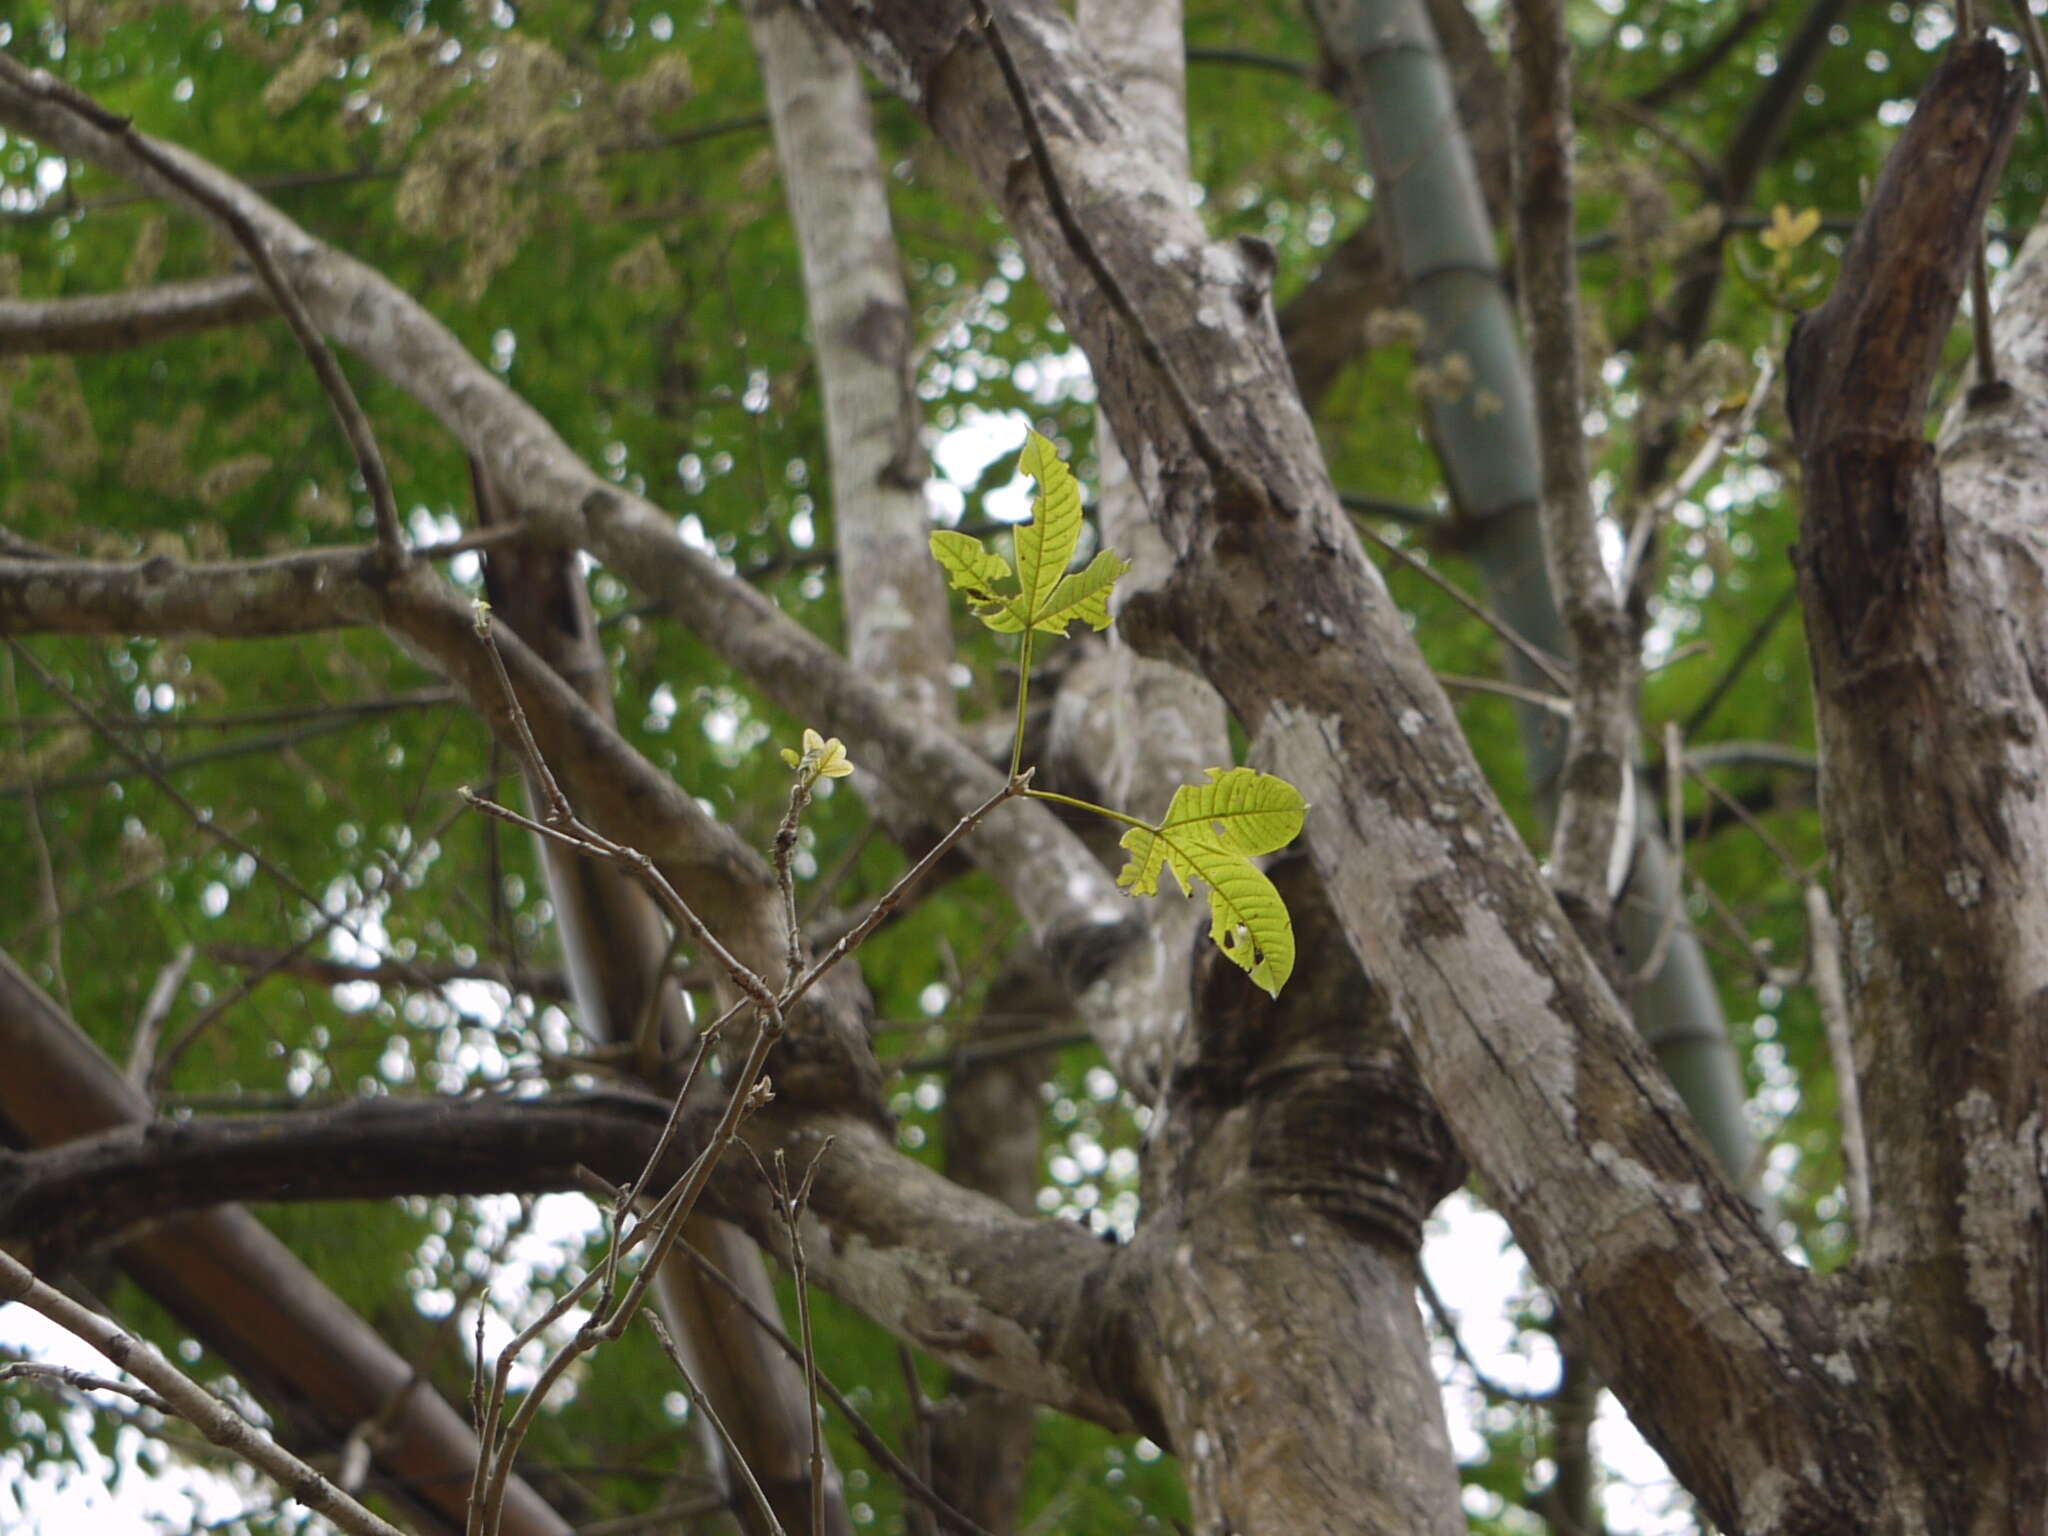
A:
296,714
269,744
204,820
190,1401
1689,727
707,1043
155,1008
1674,814
917,1438
1791,865
1824,964
348,410
555,805
792,1211
83,1382
852,938
163,1062
1533,697
1448,1323
785,875
703,1405
1530,651
1726,430
46,869
665,1223
870,1439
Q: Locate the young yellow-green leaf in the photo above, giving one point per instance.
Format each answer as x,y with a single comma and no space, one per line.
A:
1240,811
1249,923
1047,597
1046,544
1083,595
1211,833
969,565
1248,920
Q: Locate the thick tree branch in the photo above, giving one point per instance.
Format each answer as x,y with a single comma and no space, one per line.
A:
318,1366
1020,1301
1924,597
1594,830
1520,1040
105,322
1070,901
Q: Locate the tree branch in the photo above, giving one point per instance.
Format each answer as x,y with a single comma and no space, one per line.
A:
1595,830
106,322
1010,1299
190,1401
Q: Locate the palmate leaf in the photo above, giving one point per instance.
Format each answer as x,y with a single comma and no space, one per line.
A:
1047,598
1211,833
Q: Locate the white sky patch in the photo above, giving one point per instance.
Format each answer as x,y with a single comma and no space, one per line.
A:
117,1497
1483,1280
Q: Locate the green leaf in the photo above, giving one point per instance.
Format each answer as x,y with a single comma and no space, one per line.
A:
1047,597
969,566
1211,833
1240,811
1083,595
1046,544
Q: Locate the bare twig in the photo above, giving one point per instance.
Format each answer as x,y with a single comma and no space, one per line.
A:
1727,429
1739,663
1792,866
296,714
870,1439
1824,964
1531,652
159,1068
917,1438
703,1405
1447,1322
785,875
792,1206
46,869
1533,697
886,903
83,1382
551,985
184,1397
205,821
155,1008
